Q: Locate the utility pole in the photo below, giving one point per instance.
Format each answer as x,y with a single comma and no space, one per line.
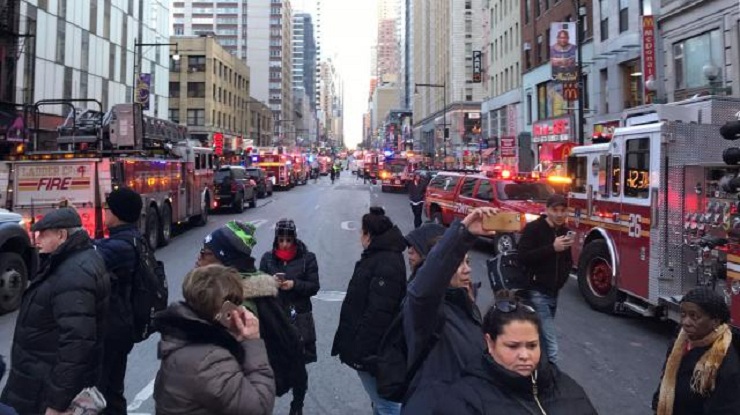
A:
581,85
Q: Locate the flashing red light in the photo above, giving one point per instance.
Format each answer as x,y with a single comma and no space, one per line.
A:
505,174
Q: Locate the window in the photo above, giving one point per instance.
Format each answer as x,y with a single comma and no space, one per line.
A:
700,50
526,11
485,191
542,101
624,24
174,90
196,63
174,65
603,10
444,182
637,168
197,117
196,89
616,176
632,81
577,171
61,30
529,109
467,187
174,115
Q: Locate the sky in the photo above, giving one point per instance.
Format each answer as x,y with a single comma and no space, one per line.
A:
348,30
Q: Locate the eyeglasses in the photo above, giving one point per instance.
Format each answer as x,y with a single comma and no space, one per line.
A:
508,306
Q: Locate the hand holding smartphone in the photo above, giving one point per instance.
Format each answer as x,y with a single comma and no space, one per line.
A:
280,276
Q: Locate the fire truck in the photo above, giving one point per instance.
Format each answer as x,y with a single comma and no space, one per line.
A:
653,210
278,166
301,169
121,148
394,174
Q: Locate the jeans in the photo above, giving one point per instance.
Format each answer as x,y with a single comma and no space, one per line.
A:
546,306
380,405
417,209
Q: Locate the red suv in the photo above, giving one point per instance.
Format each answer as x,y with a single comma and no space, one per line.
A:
452,195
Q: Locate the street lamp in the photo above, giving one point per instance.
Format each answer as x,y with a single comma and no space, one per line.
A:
445,130
175,57
712,73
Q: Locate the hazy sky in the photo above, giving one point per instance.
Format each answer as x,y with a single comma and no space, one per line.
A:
347,31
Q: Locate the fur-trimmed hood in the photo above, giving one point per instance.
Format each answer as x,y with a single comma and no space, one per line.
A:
180,327
258,284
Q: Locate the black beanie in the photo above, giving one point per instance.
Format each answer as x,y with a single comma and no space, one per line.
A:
710,301
232,244
125,204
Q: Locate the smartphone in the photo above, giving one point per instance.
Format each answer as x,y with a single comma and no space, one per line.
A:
504,222
571,234
224,316
280,276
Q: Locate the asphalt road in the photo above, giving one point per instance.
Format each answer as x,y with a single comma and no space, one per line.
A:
616,359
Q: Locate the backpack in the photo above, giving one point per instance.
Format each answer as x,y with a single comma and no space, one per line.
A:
392,373
505,272
149,291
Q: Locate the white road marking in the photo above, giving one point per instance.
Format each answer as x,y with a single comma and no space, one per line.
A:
330,296
258,222
349,225
141,397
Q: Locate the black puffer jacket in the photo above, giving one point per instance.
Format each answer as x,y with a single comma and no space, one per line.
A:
58,343
304,271
486,388
373,300
429,298
548,269
120,260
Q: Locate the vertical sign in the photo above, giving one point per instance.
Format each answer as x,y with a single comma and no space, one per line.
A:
143,83
563,51
477,66
218,144
648,53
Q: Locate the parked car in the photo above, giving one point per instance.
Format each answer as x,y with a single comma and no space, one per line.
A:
264,184
453,195
18,260
233,187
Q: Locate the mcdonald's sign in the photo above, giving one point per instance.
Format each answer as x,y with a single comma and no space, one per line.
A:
570,91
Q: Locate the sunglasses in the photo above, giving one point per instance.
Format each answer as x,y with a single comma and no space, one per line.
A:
508,306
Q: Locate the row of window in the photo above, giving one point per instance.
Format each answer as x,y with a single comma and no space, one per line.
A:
197,118
633,175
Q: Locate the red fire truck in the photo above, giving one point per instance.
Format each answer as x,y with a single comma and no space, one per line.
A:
652,217
301,169
278,166
122,149
394,174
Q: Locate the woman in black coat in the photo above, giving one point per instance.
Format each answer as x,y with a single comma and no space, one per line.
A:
300,281
512,377
373,300
702,372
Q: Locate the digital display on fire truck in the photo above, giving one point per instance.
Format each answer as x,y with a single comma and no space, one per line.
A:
637,166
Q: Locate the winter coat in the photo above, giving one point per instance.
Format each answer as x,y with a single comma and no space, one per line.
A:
296,303
725,400
486,388
417,190
373,300
430,299
549,270
4,409
205,370
283,342
121,261
58,343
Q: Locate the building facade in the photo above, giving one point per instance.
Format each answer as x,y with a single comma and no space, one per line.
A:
87,49
331,105
304,56
209,92
227,20
260,123
443,41
387,53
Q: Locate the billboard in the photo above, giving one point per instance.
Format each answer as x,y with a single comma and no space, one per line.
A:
563,52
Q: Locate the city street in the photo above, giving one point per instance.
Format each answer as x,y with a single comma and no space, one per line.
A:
616,359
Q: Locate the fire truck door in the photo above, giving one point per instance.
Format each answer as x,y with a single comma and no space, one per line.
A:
636,167
185,198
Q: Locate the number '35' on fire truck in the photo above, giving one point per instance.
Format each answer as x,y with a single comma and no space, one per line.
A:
121,148
652,217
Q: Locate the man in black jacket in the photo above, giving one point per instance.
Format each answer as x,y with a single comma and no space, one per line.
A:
58,342
123,208
544,251
417,190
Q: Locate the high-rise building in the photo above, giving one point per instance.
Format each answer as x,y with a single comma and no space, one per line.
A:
88,49
304,56
331,104
405,48
227,20
387,41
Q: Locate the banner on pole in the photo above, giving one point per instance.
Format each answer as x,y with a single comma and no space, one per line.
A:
143,84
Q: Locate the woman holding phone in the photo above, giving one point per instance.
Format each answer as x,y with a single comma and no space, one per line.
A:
213,359
297,272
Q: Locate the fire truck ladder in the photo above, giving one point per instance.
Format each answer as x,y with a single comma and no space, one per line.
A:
81,125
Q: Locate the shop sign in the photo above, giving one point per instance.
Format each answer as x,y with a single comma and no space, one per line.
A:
605,130
508,146
552,131
648,51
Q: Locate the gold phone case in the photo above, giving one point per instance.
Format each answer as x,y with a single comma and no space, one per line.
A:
504,222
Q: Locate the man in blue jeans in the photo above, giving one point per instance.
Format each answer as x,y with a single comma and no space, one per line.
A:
544,251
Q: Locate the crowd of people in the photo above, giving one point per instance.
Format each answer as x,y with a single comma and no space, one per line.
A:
245,331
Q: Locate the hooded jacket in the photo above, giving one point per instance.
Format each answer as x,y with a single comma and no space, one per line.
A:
373,300
205,370
486,388
548,269
422,239
430,299
58,342
284,348
304,271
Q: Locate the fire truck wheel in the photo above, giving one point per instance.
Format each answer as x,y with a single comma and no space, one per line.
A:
504,243
152,227
595,277
238,205
13,280
166,235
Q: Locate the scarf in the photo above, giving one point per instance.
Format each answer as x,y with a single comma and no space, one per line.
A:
705,371
286,255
